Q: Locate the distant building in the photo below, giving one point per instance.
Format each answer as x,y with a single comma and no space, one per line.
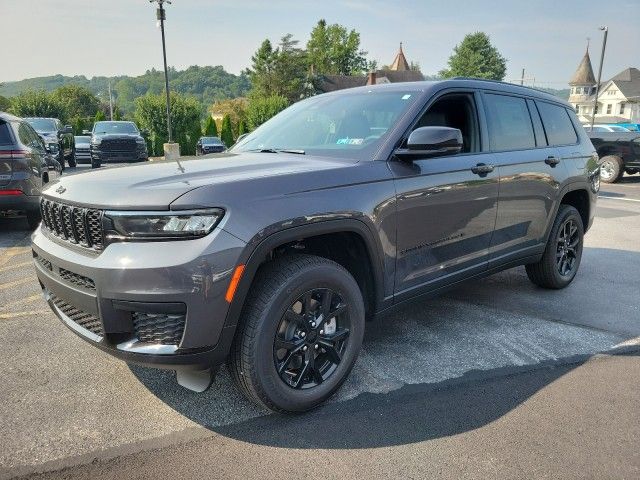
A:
618,98
399,71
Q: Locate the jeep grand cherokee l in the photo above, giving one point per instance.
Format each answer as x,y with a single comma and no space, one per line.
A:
25,167
272,255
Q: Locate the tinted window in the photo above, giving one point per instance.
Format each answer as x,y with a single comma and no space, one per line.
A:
115,127
5,134
344,125
510,125
42,124
557,124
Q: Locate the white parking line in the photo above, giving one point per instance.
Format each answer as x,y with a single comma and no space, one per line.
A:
619,198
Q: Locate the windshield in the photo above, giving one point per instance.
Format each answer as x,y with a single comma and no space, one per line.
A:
82,139
42,124
115,127
344,125
211,141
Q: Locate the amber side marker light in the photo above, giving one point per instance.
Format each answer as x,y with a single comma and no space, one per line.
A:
235,279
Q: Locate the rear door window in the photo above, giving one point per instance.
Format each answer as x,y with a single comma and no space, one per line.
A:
510,126
5,134
557,124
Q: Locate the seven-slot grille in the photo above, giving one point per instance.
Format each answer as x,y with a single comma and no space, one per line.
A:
163,328
82,226
85,320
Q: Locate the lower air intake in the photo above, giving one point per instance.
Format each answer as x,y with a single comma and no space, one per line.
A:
162,328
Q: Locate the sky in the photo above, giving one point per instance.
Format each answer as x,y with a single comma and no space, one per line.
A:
113,37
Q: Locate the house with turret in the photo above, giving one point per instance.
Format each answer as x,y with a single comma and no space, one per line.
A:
399,71
618,98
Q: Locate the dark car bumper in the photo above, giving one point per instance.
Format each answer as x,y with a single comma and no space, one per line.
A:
217,149
159,305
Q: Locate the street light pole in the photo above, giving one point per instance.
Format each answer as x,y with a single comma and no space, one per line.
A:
161,15
595,100
110,103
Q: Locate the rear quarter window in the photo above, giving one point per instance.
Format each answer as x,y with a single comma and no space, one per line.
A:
557,124
5,134
510,126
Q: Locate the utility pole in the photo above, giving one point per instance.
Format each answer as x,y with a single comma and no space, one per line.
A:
110,103
595,100
161,15
522,78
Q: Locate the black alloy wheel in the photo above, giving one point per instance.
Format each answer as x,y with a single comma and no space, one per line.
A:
311,338
568,246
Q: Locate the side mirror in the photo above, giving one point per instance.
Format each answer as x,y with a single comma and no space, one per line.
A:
144,132
426,142
86,132
67,129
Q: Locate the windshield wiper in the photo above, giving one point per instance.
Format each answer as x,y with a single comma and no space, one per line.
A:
277,150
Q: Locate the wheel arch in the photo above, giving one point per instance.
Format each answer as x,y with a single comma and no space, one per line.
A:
260,252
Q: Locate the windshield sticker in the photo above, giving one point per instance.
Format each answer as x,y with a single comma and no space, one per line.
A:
406,97
350,141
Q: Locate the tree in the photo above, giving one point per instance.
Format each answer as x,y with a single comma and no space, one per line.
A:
37,103
262,109
332,50
476,57
77,101
100,116
210,127
281,72
236,108
5,104
151,115
226,131
242,128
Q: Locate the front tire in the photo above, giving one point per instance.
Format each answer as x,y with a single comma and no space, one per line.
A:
72,159
561,259
299,334
611,169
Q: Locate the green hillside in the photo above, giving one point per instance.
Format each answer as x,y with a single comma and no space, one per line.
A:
206,84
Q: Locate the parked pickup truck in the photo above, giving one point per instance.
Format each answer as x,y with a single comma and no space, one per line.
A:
58,138
619,153
272,255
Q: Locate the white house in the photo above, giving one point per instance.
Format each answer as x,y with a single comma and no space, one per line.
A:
618,98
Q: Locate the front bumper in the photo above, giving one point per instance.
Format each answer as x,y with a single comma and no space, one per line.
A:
178,288
98,155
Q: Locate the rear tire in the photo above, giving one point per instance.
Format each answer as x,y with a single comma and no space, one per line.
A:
278,358
33,219
561,259
611,169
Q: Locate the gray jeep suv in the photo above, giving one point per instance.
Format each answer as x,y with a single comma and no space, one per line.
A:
272,255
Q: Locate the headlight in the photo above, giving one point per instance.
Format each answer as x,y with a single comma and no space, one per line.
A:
53,147
161,225
140,141
96,141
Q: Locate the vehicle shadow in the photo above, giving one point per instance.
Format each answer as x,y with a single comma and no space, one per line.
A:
15,231
439,367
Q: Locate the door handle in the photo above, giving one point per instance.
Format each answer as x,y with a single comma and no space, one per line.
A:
482,169
552,161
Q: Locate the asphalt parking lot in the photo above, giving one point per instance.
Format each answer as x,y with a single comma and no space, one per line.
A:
495,379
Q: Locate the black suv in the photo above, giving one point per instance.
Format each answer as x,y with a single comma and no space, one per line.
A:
345,205
207,145
619,153
58,139
117,141
25,167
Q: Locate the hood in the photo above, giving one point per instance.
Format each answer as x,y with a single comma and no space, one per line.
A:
155,185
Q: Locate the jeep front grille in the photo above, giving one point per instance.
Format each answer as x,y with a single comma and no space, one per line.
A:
81,226
163,328
85,320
